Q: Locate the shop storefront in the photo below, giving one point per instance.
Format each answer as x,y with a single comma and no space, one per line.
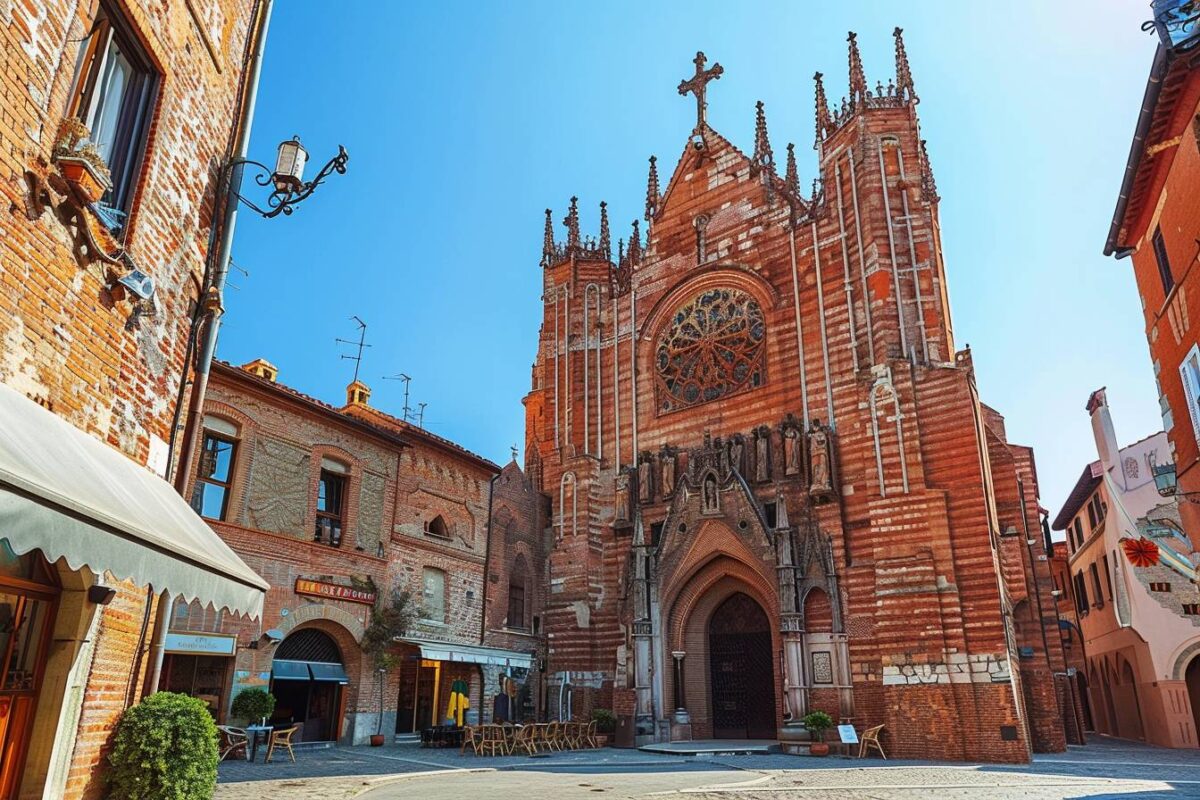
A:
443,683
307,679
199,664
80,522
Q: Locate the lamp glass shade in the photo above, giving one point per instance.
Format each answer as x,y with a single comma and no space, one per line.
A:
289,166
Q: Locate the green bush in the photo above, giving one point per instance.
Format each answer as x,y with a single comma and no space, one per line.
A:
165,748
606,721
253,704
818,722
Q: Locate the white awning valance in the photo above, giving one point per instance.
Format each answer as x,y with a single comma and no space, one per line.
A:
71,496
470,654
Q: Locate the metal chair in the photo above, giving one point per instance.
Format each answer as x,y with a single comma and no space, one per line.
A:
234,742
870,739
282,739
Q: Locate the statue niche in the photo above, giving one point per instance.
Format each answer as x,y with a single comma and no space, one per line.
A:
645,473
792,446
666,471
762,454
820,462
621,512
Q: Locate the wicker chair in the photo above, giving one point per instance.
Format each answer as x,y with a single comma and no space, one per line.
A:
233,742
589,735
572,735
870,739
470,739
493,741
525,740
282,739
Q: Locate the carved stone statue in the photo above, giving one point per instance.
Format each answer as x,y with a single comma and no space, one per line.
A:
791,450
736,448
762,455
710,493
666,472
622,510
819,461
645,481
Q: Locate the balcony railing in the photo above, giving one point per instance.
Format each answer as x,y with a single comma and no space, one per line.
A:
1177,23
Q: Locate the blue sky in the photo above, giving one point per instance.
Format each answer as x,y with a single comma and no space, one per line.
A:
464,121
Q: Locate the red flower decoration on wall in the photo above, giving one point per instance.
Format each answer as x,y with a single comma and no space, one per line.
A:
1140,552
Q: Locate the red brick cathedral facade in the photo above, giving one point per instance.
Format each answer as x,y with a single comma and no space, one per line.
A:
773,486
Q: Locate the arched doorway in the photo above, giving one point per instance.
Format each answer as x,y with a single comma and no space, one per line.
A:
307,679
741,670
1192,679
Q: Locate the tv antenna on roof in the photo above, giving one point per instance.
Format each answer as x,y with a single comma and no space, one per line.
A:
421,415
407,413
360,344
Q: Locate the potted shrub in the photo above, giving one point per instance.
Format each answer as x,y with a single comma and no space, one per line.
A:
388,621
165,746
253,705
606,724
80,164
818,722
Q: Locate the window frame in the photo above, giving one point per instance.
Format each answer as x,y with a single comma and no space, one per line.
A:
1163,260
336,520
1191,387
514,587
137,104
201,480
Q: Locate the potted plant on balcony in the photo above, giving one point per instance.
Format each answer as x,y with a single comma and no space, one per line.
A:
79,163
389,619
818,722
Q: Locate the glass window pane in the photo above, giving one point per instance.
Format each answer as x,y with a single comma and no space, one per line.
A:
211,500
26,645
110,94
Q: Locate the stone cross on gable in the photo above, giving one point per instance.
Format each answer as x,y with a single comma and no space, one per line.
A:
698,85
514,452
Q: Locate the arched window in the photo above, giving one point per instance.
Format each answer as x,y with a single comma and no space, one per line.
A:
438,527
517,617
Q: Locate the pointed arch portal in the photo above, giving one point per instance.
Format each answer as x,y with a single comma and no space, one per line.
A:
741,670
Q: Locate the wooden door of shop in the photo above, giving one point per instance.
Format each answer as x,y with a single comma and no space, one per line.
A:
28,602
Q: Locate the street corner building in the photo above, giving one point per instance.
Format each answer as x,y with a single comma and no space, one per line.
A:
773,487
337,507
114,118
1131,574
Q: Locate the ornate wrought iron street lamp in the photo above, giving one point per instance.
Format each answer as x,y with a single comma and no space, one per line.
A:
287,178
1177,23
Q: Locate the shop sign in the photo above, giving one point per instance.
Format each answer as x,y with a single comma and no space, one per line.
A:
204,644
334,591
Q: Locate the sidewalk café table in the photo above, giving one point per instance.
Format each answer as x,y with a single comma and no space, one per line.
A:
442,736
254,731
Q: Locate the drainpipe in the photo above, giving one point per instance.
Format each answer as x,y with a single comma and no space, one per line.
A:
208,344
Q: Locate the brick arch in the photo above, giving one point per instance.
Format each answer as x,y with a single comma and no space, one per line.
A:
818,611
713,539
725,275
325,613
689,616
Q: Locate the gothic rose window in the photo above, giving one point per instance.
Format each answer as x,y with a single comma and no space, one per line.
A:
712,347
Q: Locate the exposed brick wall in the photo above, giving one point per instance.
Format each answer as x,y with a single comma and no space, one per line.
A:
913,534
398,480
65,340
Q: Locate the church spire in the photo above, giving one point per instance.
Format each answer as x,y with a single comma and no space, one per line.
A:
824,121
652,196
605,237
904,79
792,176
572,223
858,80
548,240
635,244
763,157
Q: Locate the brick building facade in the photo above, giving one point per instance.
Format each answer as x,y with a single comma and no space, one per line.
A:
773,487
1156,225
157,85
337,507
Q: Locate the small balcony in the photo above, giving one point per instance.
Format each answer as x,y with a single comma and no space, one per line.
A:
1177,23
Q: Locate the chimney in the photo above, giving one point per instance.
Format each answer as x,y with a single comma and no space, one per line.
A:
358,394
1106,435
262,368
